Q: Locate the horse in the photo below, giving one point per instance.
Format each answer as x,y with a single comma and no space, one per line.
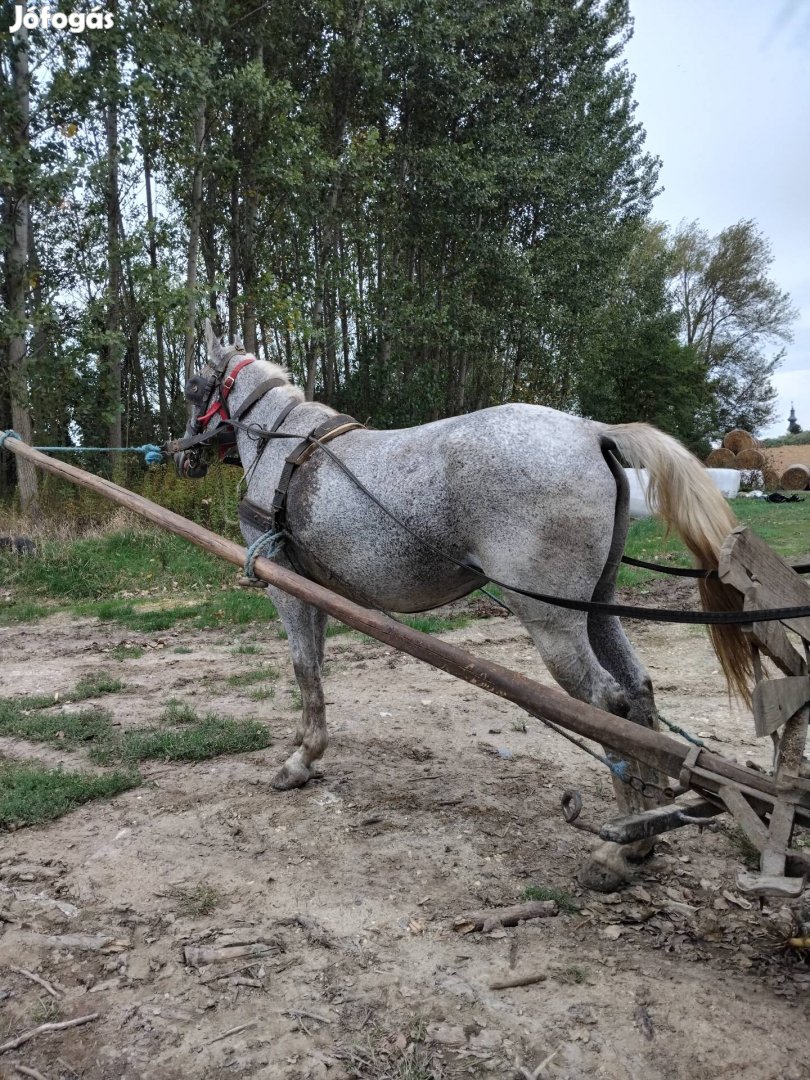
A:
520,493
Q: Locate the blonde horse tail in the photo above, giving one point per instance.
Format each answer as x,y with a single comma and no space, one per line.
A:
683,495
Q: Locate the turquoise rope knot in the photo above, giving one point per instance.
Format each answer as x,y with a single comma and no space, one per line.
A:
152,454
268,545
10,434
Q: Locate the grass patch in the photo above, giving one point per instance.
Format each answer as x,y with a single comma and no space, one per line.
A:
182,650
20,611
68,729
31,794
434,624
247,678
246,650
564,901
95,685
201,900
101,566
127,652
179,712
105,576
262,693
29,717
209,737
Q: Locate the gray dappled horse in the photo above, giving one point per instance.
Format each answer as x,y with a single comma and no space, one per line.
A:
532,496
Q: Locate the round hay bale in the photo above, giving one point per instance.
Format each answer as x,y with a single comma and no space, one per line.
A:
749,459
770,476
738,440
721,459
795,478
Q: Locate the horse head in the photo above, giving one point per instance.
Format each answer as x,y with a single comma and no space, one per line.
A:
200,391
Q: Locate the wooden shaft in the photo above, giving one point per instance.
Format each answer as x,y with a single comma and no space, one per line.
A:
650,747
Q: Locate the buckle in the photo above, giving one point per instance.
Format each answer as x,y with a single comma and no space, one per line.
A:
227,384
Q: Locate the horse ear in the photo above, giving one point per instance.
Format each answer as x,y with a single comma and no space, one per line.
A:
238,341
210,340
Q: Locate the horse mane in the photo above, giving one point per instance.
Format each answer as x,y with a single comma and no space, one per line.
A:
269,370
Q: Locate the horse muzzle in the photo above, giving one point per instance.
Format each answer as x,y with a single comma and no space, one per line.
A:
190,466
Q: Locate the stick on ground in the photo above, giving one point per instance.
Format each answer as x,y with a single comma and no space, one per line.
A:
505,916
34,978
62,1025
518,980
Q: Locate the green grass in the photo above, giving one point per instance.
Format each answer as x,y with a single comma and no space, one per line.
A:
28,717
31,794
262,693
246,650
95,685
248,678
785,526
564,901
179,712
209,737
127,652
67,729
434,624
95,577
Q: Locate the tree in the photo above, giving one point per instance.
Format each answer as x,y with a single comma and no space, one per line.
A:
636,367
734,315
20,173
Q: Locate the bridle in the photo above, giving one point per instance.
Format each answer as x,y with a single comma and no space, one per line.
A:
208,391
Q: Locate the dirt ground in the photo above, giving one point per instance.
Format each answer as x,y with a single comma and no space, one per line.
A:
434,801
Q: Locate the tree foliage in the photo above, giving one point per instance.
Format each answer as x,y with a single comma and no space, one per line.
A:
419,208
734,316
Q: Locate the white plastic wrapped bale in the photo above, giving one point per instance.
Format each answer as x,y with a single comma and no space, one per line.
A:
726,480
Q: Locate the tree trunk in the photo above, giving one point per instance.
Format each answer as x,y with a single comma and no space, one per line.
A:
112,348
17,275
194,238
163,404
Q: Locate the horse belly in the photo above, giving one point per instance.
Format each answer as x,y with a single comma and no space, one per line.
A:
392,584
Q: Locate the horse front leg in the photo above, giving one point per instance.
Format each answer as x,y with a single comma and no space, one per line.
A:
306,634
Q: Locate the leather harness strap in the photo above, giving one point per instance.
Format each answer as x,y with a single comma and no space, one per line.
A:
325,432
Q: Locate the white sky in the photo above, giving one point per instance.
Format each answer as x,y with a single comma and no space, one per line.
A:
723,91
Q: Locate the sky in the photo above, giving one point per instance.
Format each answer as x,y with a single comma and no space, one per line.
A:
723,92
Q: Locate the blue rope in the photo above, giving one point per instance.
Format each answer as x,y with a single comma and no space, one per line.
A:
693,739
10,434
269,544
153,455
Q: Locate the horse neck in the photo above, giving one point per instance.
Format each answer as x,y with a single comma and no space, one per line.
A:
265,411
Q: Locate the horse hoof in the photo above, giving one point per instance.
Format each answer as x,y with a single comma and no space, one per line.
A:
606,870
289,777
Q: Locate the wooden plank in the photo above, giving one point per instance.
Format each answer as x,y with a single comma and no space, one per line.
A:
772,638
743,813
661,819
775,851
775,701
745,555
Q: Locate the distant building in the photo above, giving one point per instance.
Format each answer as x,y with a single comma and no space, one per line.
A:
794,427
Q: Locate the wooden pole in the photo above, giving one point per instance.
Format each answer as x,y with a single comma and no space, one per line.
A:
650,747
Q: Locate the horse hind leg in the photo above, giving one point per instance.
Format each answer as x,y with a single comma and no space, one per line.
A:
609,865
609,678
306,635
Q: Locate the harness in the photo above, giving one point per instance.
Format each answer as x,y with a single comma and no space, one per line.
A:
272,520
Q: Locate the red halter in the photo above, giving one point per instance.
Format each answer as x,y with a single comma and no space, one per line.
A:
227,386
